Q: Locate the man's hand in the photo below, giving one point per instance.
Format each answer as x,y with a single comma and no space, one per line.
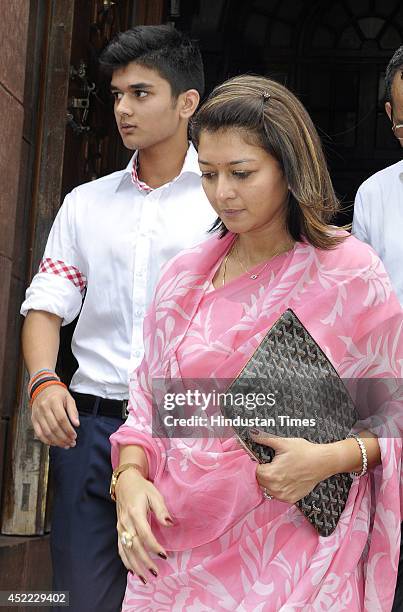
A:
53,413
54,406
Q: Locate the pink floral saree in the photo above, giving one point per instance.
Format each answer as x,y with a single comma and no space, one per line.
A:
229,548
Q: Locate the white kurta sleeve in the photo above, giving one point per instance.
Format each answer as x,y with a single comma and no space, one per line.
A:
360,229
59,285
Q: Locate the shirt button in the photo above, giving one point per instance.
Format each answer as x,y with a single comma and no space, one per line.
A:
139,313
137,353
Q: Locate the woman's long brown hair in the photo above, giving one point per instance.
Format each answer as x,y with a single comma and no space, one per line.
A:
269,115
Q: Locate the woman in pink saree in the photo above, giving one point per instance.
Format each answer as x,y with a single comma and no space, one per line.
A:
201,526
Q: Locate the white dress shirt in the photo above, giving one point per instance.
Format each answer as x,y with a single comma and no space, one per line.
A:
109,240
378,220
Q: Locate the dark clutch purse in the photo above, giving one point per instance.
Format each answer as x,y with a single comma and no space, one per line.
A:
307,400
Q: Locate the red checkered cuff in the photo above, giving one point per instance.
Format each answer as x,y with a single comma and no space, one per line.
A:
59,268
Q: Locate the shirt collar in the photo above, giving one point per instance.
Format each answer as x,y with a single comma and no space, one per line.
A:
399,166
190,166
141,185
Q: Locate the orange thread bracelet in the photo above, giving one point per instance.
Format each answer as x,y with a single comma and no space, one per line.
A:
41,374
43,387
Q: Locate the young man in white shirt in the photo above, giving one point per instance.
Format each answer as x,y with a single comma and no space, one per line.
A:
378,208
378,215
109,241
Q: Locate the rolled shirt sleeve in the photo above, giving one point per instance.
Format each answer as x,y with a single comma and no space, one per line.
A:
60,283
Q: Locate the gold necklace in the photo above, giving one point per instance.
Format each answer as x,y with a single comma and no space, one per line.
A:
224,266
255,275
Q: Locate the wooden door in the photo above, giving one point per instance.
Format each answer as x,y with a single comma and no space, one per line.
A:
344,51
332,54
72,147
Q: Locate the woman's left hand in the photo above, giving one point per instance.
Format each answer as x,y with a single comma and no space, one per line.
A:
295,470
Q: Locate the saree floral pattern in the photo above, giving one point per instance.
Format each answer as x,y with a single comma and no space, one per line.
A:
229,548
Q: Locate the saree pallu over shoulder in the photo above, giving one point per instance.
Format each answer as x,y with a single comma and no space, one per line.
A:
344,299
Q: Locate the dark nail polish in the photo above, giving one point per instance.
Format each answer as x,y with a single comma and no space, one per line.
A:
143,580
162,555
154,573
254,431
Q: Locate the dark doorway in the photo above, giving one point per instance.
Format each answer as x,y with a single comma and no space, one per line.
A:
332,54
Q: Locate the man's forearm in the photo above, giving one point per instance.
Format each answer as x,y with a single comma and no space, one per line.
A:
40,340
53,410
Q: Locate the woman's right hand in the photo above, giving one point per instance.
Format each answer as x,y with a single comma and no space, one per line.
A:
135,498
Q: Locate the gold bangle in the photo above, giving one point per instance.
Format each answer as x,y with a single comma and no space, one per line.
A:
119,470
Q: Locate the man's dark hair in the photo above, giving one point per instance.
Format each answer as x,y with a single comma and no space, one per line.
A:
395,64
162,48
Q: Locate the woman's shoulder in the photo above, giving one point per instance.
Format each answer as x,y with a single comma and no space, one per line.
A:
350,253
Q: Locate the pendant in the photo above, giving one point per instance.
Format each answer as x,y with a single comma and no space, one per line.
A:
253,276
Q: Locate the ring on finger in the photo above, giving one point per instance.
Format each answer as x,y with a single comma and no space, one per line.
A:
266,494
126,539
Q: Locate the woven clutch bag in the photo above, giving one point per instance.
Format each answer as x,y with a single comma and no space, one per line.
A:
307,399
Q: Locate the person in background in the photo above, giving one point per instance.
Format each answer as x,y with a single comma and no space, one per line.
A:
110,240
378,207
378,215
201,526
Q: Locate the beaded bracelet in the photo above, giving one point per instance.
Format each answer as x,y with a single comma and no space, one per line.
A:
364,456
